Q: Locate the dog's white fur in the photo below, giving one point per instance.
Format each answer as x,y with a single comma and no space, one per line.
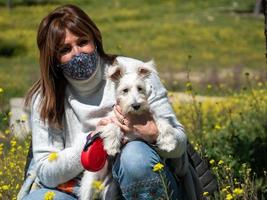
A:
131,95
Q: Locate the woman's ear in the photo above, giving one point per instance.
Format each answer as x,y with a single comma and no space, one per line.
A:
146,69
115,72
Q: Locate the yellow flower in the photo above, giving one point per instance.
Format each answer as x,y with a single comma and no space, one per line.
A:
188,85
1,149
52,156
209,86
10,114
7,131
227,187
238,191
212,162
12,150
220,162
1,90
11,165
228,168
206,193
218,127
158,167
5,187
98,185
23,118
229,197
49,195
224,190
13,143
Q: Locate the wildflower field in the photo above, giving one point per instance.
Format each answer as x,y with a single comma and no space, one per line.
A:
208,48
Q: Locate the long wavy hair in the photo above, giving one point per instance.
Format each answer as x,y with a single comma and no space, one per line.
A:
51,35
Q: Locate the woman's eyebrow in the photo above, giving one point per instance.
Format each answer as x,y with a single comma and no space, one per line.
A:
64,45
84,38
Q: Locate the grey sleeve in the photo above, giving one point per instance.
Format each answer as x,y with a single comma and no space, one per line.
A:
161,107
65,164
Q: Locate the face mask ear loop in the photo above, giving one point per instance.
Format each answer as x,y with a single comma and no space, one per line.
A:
95,46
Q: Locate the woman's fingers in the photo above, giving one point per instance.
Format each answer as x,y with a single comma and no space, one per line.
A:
124,127
104,122
121,118
118,113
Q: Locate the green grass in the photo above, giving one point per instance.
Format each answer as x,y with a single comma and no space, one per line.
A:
167,31
232,131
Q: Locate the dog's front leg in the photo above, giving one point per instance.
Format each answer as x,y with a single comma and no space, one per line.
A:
112,136
166,139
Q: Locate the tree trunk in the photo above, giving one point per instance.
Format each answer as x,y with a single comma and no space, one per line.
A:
9,4
258,7
265,30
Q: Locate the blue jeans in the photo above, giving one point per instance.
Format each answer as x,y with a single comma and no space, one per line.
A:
40,194
133,170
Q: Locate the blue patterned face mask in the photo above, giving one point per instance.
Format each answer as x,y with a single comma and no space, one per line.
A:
81,67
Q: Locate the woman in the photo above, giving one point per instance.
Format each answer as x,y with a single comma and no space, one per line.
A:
71,86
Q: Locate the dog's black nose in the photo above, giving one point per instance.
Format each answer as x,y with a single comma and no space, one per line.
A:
136,106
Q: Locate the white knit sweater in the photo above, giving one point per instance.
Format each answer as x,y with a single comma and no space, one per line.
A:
83,100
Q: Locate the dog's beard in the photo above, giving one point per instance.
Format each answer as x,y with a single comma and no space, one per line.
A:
128,109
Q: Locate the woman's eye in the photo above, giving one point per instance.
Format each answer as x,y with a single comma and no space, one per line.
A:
83,43
125,90
139,89
64,50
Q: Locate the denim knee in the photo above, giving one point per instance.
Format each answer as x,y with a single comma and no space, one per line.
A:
133,169
136,160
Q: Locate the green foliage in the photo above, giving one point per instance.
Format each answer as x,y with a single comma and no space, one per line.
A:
10,48
212,32
232,130
218,36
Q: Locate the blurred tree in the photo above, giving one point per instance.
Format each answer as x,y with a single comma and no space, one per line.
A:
30,2
258,8
265,31
9,4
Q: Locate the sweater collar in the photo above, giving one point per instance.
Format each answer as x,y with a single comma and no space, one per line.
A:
86,87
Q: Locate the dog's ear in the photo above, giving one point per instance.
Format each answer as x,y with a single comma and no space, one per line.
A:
147,68
115,72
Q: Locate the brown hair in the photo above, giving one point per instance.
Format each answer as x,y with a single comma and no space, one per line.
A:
51,34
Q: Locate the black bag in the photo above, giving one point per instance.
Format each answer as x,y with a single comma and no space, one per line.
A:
207,179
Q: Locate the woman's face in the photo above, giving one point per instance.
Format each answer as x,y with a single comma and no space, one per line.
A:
74,45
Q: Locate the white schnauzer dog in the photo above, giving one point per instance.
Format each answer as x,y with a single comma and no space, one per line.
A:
131,92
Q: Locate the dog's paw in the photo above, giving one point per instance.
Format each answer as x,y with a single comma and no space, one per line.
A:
166,139
111,136
167,146
112,151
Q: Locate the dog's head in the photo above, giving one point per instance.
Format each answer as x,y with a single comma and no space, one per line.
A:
130,82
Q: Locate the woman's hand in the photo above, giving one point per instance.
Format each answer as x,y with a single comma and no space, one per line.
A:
144,124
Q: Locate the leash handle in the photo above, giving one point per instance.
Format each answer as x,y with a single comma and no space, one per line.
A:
90,140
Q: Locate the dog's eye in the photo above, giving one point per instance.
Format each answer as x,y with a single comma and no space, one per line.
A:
125,90
139,89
